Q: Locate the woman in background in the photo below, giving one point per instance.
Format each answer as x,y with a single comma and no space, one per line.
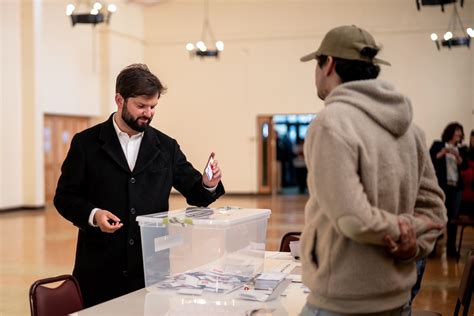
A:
449,159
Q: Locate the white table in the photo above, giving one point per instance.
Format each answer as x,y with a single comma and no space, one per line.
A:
144,302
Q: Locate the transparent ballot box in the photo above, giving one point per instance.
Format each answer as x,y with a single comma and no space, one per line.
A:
203,249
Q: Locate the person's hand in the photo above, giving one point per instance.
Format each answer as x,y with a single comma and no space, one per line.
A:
107,222
442,152
456,155
405,247
216,175
429,224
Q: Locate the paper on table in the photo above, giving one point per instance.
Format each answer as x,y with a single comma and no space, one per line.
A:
189,291
264,295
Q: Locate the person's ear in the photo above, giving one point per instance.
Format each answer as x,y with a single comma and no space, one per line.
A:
329,66
119,100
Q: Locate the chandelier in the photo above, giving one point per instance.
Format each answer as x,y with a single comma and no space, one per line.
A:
207,46
93,12
456,34
441,3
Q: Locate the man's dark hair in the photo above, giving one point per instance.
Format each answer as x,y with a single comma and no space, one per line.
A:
351,70
449,131
136,80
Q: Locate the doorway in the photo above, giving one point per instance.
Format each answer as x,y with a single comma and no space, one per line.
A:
58,131
281,165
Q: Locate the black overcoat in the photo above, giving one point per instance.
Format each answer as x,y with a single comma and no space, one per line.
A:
95,174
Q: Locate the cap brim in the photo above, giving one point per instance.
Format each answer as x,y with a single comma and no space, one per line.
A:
381,61
309,57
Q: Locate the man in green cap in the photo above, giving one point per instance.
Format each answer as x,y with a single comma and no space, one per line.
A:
375,206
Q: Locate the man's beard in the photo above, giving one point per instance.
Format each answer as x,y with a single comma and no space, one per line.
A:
134,123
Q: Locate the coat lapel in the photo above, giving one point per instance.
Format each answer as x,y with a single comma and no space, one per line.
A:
111,144
149,150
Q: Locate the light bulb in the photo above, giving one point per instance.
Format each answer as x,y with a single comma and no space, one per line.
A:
434,37
470,32
112,8
448,36
201,46
189,46
94,11
220,46
97,6
70,9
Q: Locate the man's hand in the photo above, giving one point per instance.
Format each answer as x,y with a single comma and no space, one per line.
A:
107,222
405,247
429,224
216,175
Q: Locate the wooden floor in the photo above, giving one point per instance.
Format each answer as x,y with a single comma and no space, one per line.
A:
38,244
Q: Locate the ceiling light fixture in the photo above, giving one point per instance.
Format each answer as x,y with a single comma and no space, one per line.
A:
97,12
451,38
202,48
441,3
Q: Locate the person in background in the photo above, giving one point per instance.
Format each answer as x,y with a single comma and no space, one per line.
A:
467,204
374,205
449,159
300,165
285,156
116,171
471,147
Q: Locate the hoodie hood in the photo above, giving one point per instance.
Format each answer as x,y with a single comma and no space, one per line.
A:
379,100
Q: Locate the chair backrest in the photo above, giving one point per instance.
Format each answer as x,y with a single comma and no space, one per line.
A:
285,241
62,300
466,286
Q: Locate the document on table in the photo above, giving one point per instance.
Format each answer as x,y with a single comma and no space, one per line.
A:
264,295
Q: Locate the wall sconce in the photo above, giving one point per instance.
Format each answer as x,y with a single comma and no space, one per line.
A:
202,49
450,39
98,13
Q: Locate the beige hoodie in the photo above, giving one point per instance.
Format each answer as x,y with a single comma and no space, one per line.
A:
367,165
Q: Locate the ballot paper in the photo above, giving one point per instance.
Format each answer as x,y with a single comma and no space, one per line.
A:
263,295
199,212
269,280
216,281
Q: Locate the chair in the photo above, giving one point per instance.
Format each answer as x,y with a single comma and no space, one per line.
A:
465,290
62,300
463,220
466,286
285,241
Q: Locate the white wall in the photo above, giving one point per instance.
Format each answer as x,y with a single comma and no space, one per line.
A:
10,105
67,65
126,43
213,104
48,66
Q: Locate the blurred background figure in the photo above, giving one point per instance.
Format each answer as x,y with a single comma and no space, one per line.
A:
467,203
449,159
285,156
300,165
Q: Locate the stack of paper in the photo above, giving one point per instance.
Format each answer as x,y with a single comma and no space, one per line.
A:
269,280
247,293
210,281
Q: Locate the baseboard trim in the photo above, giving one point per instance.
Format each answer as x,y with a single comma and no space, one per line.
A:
22,208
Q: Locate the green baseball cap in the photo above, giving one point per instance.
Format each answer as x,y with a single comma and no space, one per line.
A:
346,42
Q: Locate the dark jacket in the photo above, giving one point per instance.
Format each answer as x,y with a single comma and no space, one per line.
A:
95,174
440,164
